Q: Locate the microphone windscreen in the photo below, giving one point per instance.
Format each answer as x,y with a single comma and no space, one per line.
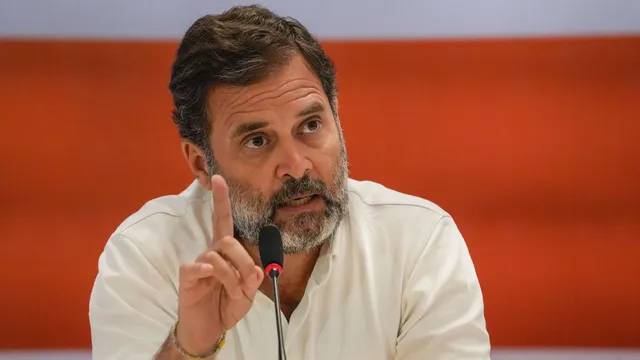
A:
270,244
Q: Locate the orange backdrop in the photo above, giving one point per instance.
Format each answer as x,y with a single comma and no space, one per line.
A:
533,146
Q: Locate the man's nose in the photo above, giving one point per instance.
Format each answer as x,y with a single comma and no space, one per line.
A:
292,161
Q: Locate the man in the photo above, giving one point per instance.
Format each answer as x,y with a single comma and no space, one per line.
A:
369,273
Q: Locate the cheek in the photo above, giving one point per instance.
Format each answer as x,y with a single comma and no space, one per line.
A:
326,161
256,180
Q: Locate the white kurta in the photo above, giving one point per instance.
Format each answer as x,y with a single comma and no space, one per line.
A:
397,282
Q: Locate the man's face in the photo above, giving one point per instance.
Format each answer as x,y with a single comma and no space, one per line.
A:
281,151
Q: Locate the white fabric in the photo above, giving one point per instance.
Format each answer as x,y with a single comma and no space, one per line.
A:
397,282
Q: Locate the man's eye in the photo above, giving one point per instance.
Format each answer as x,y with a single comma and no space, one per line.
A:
311,126
256,142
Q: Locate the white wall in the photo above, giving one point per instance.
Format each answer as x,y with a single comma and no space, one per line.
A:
329,19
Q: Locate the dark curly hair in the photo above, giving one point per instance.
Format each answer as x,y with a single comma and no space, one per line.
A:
240,46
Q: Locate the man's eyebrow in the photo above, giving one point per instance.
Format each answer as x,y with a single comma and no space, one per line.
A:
246,128
313,108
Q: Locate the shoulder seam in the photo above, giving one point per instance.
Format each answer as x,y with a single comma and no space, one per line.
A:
442,213
181,214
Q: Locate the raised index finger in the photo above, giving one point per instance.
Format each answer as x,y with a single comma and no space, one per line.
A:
222,219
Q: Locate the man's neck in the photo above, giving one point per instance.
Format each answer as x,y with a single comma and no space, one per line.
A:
293,281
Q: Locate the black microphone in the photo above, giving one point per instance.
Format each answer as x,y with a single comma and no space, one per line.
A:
272,257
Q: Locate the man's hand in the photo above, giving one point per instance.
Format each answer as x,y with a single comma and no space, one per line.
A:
216,290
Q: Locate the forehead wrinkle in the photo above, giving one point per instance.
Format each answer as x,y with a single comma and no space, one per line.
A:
270,94
304,92
301,96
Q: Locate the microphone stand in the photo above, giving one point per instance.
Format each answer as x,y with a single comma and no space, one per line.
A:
273,274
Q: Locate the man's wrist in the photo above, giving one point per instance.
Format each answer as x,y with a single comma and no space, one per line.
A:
195,346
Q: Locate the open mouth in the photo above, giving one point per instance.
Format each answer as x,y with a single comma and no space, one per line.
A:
300,200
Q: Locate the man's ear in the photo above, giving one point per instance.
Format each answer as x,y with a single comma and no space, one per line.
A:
197,163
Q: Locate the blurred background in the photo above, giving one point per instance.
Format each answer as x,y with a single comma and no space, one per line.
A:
520,118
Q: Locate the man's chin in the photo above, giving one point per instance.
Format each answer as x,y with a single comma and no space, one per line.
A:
306,233
300,232
301,222
300,242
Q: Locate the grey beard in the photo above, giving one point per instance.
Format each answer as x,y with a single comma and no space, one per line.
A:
251,213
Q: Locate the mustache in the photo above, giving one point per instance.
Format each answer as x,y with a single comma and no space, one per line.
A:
295,187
